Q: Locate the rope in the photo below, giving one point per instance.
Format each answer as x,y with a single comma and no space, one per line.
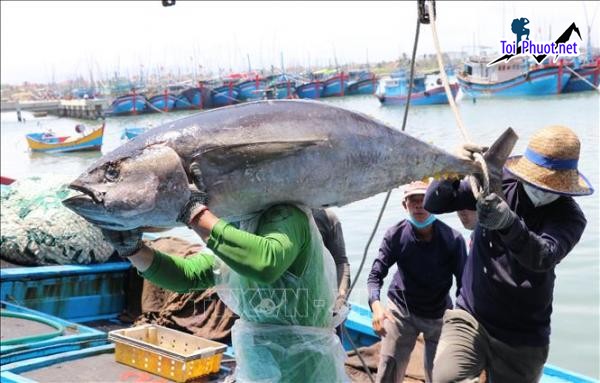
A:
362,361
597,89
152,106
475,187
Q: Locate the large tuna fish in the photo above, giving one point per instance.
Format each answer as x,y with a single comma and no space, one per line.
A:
251,156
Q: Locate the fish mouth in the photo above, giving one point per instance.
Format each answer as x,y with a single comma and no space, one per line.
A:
91,208
95,196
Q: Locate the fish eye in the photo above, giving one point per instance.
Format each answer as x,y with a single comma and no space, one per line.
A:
112,173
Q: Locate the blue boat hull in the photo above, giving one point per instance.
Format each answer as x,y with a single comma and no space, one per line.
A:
225,95
252,90
195,98
537,82
310,90
130,133
182,103
284,90
367,86
127,105
431,97
575,84
162,102
334,87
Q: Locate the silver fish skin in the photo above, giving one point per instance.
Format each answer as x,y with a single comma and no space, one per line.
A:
251,156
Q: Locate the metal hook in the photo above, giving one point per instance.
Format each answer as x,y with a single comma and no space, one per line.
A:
424,16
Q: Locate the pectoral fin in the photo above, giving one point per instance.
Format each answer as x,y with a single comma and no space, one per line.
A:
229,157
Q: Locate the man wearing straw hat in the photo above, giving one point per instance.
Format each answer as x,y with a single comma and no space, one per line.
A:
502,320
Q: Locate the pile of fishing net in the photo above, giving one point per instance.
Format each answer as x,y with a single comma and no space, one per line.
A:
37,229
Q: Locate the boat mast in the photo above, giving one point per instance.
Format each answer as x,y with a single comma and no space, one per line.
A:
588,55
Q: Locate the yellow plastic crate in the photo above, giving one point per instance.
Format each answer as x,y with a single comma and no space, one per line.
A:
169,353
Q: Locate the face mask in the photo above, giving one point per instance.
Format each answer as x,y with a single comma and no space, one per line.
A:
539,197
421,225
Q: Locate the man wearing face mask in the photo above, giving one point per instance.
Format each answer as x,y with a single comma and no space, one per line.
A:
427,253
502,320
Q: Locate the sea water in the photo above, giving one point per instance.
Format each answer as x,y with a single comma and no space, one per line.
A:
576,318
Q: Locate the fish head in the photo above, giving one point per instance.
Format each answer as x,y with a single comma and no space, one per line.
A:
145,187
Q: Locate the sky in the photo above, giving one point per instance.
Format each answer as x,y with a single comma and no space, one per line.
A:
61,40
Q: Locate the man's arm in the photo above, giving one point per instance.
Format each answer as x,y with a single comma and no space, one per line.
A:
448,196
541,252
265,256
333,238
343,278
379,271
461,258
380,268
337,247
172,273
181,274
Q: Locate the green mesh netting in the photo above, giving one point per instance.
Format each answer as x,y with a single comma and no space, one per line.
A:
36,229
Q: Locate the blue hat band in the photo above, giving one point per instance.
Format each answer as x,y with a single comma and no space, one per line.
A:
550,163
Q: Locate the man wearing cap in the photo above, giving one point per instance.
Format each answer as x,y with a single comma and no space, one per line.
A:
502,320
427,253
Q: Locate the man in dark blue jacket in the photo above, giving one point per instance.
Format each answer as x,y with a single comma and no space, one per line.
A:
427,253
502,320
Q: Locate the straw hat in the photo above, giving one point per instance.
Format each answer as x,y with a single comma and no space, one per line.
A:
550,162
416,187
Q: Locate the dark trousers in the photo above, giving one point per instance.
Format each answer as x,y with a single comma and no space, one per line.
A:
465,349
399,342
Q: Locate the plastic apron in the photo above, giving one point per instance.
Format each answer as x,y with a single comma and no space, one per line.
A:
286,330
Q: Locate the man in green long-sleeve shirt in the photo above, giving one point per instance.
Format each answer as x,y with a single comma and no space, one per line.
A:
276,279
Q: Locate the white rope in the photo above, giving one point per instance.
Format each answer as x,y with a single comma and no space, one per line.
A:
597,89
152,106
475,187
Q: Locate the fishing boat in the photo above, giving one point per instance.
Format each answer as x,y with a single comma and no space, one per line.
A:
50,143
361,331
164,102
252,89
364,83
590,71
281,87
312,90
100,297
284,90
194,98
128,104
335,85
427,89
513,78
131,132
5,181
38,114
226,94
